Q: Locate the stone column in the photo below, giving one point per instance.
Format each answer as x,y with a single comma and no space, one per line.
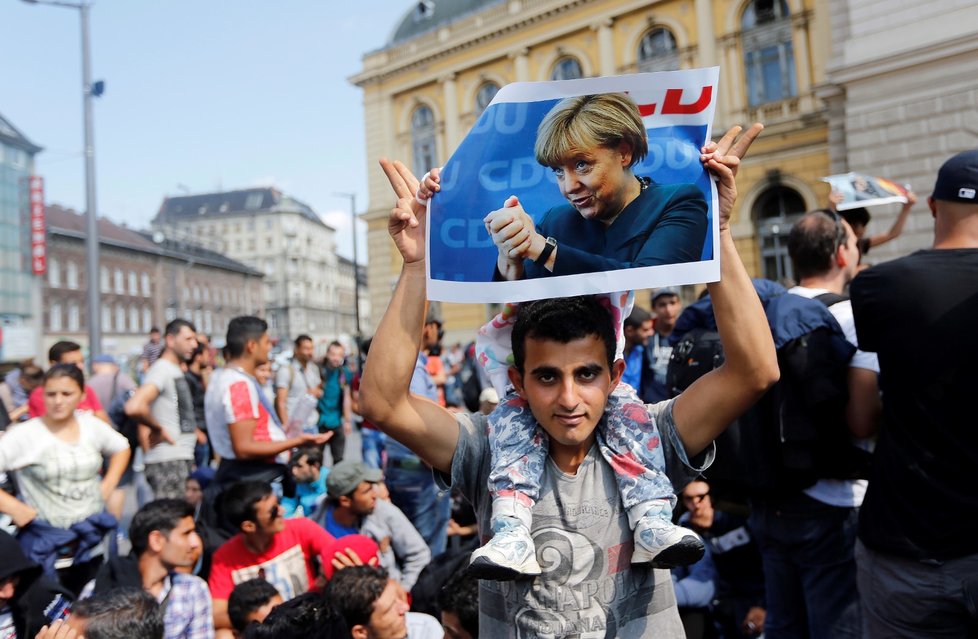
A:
451,114
606,47
705,34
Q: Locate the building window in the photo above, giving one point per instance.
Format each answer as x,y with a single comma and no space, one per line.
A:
147,319
567,68
775,211
484,96
769,60
103,279
120,319
423,139
133,283
54,273
71,275
119,283
133,319
196,293
253,201
54,317
144,284
107,319
269,223
74,317
657,51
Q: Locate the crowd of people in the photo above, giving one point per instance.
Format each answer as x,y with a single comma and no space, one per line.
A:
770,460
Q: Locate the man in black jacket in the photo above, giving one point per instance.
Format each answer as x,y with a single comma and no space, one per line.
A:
29,599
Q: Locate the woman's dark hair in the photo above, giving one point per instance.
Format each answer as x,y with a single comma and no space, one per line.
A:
563,320
66,370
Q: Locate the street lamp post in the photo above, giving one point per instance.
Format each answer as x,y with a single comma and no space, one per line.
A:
91,215
356,262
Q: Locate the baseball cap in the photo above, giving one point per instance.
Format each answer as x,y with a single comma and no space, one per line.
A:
666,290
345,476
957,179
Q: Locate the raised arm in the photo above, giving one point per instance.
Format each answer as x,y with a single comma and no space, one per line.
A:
898,224
421,425
708,406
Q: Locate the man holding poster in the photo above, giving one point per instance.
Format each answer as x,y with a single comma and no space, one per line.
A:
590,589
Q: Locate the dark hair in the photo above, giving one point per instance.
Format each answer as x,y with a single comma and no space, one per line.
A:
563,320
155,329
122,613
460,595
365,346
856,216
354,591
313,455
66,370
238,501
302,338
32,373
246,598
242,330
308,616
163,515
637,317
60,349
177,325
813,241
334,343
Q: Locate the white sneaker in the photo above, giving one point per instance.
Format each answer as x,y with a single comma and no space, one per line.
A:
510,554
662,544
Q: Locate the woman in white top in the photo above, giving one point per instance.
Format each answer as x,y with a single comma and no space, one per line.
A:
57,460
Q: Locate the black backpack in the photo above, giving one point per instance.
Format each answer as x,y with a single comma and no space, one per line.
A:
796,434
127,426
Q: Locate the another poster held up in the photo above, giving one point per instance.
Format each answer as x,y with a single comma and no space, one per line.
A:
865,190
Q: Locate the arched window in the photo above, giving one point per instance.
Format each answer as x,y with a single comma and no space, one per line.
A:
120,318
74,317
775,210
423,139
55,317
657,51
769,60
567,68
484,96
107,319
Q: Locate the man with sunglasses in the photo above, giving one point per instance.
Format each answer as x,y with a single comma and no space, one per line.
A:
807,536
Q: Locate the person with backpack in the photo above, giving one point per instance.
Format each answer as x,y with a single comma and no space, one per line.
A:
807,535
335,404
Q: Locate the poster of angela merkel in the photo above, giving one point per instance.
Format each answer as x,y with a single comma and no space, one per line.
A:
579,187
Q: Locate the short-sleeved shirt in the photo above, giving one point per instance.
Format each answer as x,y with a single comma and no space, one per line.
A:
232,396
188,613
174,411
288,563
299,380
89,404
584,544
60,480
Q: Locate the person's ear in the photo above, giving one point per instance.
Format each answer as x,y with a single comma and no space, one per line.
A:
932,203
359,631
248,527
625,150
156,541
516,379
617,370
345,501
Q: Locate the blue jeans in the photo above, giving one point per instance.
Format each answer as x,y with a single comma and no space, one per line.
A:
374,445
807,548
415,493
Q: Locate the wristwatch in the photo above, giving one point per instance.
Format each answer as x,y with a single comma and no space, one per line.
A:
545,253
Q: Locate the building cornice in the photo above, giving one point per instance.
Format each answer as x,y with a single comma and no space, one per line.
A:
888,61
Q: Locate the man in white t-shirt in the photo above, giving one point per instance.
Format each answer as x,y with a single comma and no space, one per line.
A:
296,380
164,407
807,538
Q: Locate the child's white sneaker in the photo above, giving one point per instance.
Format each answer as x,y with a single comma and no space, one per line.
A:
510,554
662,544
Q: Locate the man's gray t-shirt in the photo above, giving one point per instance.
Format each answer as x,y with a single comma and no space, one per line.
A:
584,546
174,411
299,380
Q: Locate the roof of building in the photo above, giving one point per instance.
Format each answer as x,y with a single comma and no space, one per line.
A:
426,15
69,223
255,200
10,135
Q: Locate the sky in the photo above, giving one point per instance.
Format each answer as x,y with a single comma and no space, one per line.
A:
201,96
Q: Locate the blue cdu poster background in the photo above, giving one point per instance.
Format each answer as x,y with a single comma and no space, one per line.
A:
496,160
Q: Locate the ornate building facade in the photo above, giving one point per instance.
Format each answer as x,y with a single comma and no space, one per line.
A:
446,59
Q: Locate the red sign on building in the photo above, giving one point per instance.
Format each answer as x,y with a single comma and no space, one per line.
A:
39,246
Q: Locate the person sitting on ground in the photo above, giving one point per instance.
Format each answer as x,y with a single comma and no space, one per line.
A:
251,601
308,616
370,602
29,599
123,613
26,381
567,382
309,476
284,551
57,460
459,604
352,507
164,540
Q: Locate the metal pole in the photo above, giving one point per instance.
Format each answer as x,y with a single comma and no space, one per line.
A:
356,266
91,212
